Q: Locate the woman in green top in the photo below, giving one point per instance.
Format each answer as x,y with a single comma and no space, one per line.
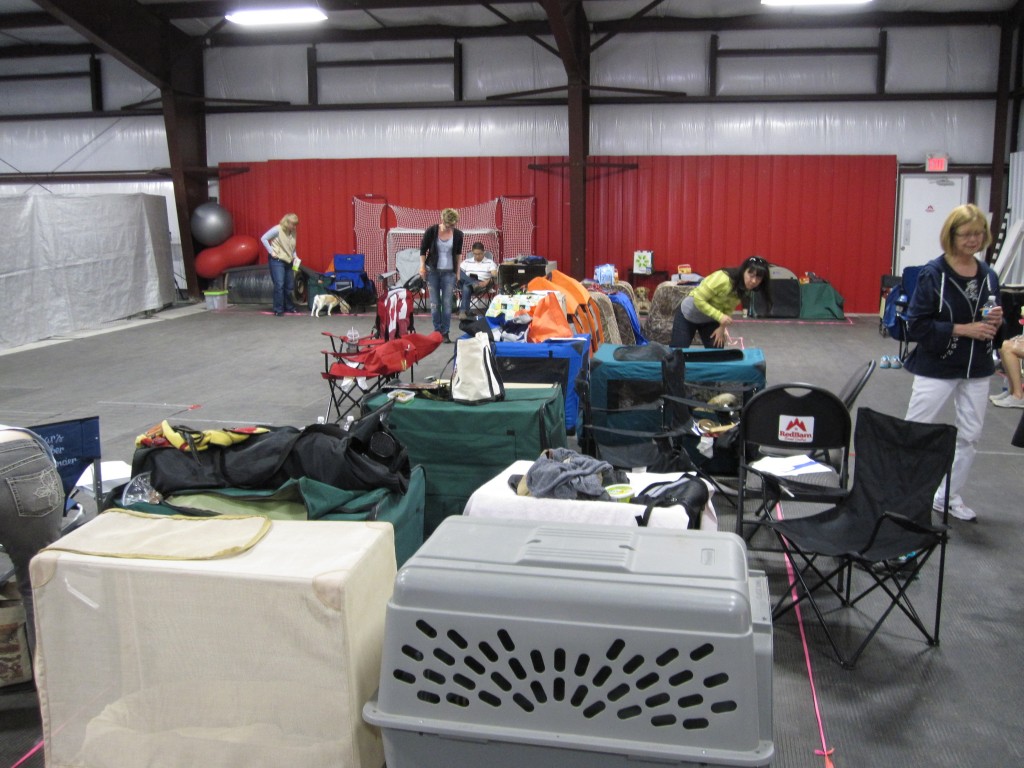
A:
708,310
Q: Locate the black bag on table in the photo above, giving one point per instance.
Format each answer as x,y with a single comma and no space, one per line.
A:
366,457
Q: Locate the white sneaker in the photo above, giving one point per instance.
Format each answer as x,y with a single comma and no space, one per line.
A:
1009,402
959,510
999,396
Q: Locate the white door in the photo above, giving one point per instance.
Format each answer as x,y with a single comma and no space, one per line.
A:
925,201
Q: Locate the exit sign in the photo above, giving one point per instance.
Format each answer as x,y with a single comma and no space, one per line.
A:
937,164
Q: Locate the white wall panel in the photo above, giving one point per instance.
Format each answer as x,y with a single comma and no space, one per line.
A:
97,144
660,61
919,60
942,59
770,75
503,132
963,129
508,65
275,72
122,86
354,85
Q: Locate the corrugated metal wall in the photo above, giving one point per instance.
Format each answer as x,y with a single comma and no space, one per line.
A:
832,215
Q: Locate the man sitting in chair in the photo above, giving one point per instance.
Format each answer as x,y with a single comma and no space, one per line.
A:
477,274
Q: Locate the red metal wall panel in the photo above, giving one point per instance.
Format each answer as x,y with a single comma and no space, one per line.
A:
832,215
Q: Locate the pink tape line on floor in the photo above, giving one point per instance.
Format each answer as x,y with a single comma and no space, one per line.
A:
825,751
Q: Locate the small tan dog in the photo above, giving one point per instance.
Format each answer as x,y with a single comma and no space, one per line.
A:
643,304
328,301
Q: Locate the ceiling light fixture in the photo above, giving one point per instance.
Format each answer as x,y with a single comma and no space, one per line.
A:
814,2
274,16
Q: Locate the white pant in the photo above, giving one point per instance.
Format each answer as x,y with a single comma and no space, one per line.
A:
970,398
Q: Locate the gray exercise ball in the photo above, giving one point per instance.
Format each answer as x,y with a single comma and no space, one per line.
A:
211,224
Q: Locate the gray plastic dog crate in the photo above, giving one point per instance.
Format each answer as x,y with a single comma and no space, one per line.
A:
510,643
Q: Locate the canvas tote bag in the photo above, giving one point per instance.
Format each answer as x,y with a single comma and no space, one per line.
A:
476,378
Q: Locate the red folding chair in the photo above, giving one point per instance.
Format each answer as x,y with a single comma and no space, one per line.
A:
353,375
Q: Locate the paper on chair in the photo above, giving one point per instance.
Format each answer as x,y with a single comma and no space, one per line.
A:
113,473
789,466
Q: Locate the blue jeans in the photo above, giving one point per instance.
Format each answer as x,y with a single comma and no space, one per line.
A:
442,288
684,330
31,506
284,283
466,286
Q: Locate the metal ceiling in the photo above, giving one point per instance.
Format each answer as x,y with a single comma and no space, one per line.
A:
47,27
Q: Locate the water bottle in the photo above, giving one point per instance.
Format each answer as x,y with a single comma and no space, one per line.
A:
348,423
353,340
988,306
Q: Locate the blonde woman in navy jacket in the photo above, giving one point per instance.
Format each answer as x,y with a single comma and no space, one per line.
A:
953,356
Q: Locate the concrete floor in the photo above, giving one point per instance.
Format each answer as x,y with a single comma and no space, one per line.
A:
906,704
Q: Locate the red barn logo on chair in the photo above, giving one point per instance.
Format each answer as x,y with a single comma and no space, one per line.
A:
796,429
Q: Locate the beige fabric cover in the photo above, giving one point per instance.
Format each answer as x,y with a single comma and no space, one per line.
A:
258,660
123,533
667,298
607,312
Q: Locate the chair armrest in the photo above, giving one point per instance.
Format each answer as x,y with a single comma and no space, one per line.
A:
903,522
912,525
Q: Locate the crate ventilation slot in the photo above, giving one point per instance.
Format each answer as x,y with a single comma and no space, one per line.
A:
673,688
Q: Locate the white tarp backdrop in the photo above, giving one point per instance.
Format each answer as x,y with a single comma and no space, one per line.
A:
72,262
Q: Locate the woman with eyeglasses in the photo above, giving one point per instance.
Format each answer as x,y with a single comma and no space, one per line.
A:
708,310
954,331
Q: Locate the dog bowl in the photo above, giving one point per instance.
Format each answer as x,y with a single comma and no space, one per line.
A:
620,492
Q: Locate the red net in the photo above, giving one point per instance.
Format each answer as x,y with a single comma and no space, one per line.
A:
504,225
370,233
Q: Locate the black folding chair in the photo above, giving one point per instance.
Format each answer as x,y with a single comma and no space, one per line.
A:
884,526
793,424
852,389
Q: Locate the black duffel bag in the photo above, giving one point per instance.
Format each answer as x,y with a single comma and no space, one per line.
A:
366,457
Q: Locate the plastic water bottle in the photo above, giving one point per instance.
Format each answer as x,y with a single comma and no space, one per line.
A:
348,423
988,306
353,340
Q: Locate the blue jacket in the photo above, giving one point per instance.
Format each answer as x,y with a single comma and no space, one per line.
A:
941,299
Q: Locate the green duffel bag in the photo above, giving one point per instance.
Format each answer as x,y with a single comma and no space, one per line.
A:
306,499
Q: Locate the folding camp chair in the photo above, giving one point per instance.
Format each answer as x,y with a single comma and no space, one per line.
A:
480,301
884,526
853,386
798,427
582,316
394,319
353,375
587,307
407,264
76,446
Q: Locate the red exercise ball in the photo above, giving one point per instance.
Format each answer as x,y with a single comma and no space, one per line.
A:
236,251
